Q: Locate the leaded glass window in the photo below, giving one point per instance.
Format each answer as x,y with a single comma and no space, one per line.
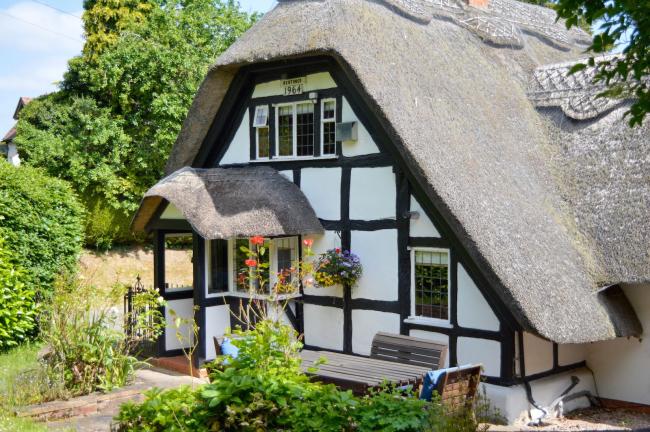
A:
431,284
285,130
329,126
305,129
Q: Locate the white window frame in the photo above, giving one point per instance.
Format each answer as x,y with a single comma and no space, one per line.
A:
417,319
294,132
273,260
323,120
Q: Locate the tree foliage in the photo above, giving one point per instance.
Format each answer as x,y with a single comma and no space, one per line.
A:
41,222
110,128
619,23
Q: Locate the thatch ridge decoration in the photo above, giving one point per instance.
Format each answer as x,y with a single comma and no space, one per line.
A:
224,203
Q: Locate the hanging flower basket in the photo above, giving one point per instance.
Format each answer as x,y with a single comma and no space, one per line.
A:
336,267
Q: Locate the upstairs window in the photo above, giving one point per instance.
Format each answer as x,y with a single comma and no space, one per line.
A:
430,284
328,126
261,125
295,129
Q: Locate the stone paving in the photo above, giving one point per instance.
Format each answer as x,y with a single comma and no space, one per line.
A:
101,419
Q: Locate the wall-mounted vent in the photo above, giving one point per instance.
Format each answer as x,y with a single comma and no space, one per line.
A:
347,131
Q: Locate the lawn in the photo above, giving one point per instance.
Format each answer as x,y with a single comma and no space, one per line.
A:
15,388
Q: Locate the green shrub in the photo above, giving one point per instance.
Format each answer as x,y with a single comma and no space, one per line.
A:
17,308
88,349
264,389
42,222
106,225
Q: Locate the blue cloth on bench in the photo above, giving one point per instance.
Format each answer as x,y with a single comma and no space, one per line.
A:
227,348
431,379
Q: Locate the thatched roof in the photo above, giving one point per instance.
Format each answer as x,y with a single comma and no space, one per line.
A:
422,64
239,202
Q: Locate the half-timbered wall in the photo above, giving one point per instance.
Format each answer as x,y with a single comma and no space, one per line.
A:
362,200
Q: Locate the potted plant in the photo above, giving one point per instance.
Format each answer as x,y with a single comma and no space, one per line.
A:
337,267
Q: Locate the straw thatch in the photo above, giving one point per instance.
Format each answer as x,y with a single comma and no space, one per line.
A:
449,81
238,202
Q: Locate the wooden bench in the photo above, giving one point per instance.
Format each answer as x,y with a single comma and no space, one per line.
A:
408,350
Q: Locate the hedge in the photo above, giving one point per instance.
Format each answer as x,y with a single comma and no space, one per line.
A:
42,223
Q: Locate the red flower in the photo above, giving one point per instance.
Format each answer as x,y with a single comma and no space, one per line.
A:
308,242
337,250
257,240
250,262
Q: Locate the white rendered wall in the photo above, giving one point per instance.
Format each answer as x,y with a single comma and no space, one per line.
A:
484,351
512,402
183,309
366,323
12,154
239,148
323,326
538,354
322,187
473,310
172,212
421,227
288,174
571,353
372,193
217,322
378,253
433,336
622,366
323,242
364,143
317,81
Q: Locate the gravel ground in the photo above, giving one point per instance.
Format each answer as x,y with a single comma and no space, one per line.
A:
591,419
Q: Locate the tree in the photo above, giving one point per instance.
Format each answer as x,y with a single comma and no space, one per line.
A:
619,23
110,128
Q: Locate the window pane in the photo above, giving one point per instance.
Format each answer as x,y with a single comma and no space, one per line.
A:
218,266
305,129
241,273
329,138
329,110
261,116
285,255
431,284
263,142
285,130
179,270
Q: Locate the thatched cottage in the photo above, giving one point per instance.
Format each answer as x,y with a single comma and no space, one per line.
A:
424,133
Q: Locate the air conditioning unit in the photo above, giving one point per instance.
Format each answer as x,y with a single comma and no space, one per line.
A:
347,131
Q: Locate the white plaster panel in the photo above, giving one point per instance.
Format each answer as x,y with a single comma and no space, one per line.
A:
433,336
473,310
317,81
422,226
538,354
366,324
377,251
183,309
513,405
486,352
372,193
322,187
239,147
323,326
364,143
172,212
12,155
571,353
621,365
217,323
323,242
288,174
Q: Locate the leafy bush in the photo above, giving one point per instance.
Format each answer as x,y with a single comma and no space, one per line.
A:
41,221
264,389
18,308
106,225
88,349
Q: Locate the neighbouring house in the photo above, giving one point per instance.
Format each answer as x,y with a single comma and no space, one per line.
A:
8,149
496,203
